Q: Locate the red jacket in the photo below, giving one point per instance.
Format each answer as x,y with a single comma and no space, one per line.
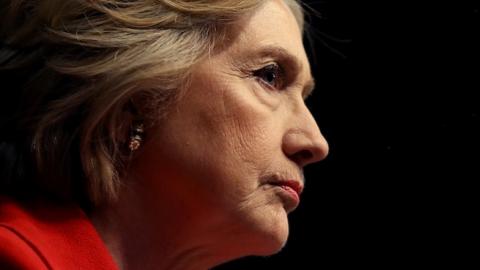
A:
42,236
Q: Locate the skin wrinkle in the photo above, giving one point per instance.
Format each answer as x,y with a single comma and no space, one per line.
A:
270,52
259,132
238,123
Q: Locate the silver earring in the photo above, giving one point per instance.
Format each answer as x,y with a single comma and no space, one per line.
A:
136,137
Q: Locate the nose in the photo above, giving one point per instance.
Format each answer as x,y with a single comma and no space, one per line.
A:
303,142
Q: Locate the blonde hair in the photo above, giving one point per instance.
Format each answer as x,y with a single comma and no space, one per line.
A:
83,66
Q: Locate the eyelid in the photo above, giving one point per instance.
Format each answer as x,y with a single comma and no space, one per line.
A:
280,77
266,84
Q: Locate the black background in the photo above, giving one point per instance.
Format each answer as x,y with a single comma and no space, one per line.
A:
396,99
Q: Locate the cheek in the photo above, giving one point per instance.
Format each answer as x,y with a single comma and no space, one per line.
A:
223,138
247,145
241,129
233,121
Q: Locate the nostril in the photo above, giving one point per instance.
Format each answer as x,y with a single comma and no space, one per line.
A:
302,156
305,154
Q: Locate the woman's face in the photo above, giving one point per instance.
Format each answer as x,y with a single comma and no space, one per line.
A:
241,125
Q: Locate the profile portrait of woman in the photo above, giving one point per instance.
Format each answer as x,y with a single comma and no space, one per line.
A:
151,134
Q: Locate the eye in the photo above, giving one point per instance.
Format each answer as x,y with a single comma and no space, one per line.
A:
271,75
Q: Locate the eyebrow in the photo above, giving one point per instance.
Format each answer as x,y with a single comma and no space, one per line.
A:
290,59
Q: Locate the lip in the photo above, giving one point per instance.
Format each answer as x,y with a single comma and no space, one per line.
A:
289,191
294,185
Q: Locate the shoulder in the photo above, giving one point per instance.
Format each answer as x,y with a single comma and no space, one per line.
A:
18,248
43,235
16,252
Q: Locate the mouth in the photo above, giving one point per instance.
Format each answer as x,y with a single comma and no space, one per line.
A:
291,184
289,191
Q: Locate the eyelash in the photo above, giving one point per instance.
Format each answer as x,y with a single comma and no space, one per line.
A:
272,72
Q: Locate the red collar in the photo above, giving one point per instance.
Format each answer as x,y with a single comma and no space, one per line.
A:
50,236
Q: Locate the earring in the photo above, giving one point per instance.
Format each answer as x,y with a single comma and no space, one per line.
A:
136,137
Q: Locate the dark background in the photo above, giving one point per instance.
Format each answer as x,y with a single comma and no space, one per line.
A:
396,99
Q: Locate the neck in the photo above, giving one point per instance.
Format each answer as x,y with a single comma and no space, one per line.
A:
140,236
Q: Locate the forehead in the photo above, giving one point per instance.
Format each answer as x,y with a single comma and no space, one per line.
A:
272,25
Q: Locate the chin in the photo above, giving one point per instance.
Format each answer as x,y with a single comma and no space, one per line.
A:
272,234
